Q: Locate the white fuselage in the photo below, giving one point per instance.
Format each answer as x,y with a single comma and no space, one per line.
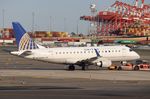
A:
67,55
101,56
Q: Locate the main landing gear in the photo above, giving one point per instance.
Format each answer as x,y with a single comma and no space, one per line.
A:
84,67
71,67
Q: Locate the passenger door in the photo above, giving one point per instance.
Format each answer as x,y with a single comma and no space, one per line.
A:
124,52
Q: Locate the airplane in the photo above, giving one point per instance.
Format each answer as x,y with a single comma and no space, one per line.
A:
101,56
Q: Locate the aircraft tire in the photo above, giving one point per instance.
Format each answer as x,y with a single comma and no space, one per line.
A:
71,67
136,68
83,67
119,68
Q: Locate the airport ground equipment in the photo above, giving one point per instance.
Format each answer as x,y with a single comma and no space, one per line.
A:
120,19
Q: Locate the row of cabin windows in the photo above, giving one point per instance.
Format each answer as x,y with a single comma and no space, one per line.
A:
87,52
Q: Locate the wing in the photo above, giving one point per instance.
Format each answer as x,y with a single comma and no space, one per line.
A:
22,53
26,53
90,60
98,60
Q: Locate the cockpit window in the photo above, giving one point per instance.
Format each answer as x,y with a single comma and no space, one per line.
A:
130,50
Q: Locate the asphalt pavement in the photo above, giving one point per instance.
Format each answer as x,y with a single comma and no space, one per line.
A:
29,79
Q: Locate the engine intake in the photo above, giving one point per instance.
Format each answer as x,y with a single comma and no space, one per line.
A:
103,62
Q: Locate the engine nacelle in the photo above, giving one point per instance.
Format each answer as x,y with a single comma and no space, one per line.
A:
123,62
103,62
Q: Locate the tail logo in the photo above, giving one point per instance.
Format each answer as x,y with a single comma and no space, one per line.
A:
27,43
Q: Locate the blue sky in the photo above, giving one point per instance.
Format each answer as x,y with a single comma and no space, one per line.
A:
62,12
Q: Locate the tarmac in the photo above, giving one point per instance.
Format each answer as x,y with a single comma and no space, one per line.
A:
29,79
97,75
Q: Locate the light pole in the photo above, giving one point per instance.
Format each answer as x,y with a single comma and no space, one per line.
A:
77,27
3,15
33,17
64,24
50,23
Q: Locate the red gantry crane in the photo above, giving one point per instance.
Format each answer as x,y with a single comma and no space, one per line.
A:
122,19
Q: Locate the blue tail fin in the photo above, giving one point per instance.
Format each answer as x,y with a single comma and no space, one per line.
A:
23,40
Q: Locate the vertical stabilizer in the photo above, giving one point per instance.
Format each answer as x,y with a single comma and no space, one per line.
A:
23,39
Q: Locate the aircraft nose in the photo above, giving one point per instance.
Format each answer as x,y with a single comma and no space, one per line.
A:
137,56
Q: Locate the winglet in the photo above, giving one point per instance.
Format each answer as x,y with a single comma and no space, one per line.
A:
98,55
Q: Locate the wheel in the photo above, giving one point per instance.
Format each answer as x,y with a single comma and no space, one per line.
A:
71,67
83,67
136,68
119,68
109,68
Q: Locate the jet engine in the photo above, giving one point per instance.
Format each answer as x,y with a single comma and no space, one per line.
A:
101,62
